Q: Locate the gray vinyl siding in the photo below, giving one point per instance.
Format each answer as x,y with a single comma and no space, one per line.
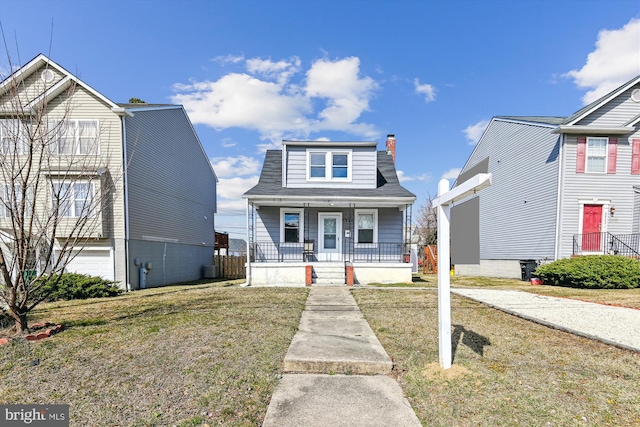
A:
170,262
518,211
363,168
615,113
171,186
618,189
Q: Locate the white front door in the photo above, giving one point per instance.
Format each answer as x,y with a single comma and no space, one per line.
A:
330,236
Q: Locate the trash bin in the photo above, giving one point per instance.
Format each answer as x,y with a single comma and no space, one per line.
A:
527,266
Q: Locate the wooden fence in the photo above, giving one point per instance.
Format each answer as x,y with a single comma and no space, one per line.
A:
230,266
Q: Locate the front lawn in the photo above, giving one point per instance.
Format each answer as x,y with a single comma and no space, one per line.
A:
507,371
183,355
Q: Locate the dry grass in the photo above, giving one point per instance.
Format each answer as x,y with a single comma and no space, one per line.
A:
507,371
185,355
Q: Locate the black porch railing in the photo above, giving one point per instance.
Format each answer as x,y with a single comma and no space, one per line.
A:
309,252
607,243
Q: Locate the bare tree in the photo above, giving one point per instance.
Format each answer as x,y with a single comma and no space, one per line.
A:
56,187
427,222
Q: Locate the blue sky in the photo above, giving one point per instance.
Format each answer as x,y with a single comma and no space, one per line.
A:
251,73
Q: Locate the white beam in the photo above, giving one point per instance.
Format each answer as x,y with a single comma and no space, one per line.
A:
464,190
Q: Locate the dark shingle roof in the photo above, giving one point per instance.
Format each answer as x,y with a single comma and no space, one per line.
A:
270,183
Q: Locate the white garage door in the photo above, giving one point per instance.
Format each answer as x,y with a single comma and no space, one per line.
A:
93,263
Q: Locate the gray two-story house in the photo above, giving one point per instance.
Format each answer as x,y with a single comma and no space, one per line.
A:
327,207
562,186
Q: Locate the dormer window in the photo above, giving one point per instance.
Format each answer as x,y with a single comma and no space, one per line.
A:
328,165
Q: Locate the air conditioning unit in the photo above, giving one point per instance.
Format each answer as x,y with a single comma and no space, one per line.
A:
210,272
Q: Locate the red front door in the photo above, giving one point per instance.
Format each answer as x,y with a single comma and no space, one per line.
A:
591,226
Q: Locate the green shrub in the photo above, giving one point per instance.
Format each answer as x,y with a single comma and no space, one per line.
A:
593,272
70,286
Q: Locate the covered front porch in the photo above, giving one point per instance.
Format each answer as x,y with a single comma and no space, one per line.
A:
332,237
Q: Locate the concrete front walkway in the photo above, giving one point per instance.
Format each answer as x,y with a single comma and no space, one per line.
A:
618,326
336,371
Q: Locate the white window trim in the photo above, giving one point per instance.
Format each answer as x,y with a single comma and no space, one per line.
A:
72,207
7,198
301,234
328,164
375,228
75,122
606,155
22,145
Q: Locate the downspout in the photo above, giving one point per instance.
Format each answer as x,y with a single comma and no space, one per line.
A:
556,253
248,247
126,203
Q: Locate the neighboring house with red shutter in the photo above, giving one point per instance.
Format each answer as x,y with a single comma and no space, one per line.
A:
561,186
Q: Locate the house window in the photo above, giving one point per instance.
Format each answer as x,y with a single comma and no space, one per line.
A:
73,199
12,137
329,165
596,155
75,137
366,226
291,225
11,198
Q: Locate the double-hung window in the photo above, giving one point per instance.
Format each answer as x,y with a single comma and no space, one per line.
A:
12,197
327,165
596,155
366,226
12,137
291,225
73,199
75,137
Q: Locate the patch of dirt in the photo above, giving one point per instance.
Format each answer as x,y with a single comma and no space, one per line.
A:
434,371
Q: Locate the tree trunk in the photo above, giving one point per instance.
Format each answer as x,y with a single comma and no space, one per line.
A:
21,323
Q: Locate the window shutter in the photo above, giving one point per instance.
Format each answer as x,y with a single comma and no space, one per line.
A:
581,155
613,155
635,157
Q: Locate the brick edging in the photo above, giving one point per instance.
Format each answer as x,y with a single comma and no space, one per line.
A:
52,330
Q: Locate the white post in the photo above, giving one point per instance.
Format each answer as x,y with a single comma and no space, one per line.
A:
444,280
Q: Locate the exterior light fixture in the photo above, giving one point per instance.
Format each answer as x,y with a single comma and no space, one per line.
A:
612,210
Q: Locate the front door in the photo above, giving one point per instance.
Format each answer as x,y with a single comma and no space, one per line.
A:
329,236
591,227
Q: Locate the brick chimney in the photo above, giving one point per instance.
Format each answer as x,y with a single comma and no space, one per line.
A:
391,147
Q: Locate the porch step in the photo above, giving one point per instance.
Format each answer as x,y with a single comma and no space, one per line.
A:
329,274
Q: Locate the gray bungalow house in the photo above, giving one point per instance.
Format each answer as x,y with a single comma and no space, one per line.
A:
158,226
562,186
326,207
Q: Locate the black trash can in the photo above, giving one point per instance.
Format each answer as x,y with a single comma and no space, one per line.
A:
527,266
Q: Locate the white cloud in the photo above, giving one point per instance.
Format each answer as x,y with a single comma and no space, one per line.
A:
615,60
235,166
266,98
426,89
474,132
234,188
425,177
228,59
451,173
228,143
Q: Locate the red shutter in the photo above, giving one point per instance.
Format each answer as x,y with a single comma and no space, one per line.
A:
613,155
635,157
581,156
